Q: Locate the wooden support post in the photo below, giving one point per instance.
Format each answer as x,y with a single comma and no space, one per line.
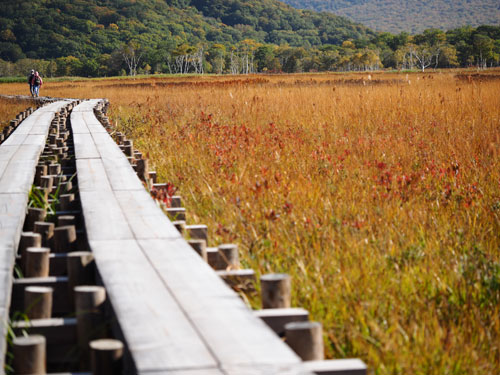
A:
106,357
55,169
176,213
197,232
275,290
180,225
38,302
40,170
89,303
29,355
66,202
46,230
175,201
37,262
66,220
28,239
276,319
142,169
200,246
128,148
64,239
306,339
152,176
34,215
228,258
81,270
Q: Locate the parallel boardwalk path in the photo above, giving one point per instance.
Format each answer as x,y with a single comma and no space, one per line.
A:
177,315
18,157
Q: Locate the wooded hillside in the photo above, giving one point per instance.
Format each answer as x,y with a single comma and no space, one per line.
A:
396,16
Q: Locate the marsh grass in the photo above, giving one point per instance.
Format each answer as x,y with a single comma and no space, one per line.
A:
378,193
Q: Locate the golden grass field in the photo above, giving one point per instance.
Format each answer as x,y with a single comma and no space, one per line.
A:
9,109
378,193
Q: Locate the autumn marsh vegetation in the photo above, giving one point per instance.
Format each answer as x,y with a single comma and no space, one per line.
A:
378,193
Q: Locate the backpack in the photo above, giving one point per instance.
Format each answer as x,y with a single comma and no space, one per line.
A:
37,81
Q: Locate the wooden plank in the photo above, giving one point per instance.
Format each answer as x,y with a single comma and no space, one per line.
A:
84,146
18,176
203,371
104,219
78,124
91,175
15,183
228,326
156,330
145,218
7,152
337,367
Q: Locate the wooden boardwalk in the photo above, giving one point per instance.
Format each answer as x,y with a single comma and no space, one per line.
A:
176,314
18,157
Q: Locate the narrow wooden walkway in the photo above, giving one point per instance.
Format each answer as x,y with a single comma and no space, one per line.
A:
18,157
177,315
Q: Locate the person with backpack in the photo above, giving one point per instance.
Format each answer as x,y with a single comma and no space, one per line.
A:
37,82
30,79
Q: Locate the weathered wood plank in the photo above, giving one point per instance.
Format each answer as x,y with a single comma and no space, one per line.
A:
158,334
104,219
337,367
229,327
146,220
84,146
91,175
15,183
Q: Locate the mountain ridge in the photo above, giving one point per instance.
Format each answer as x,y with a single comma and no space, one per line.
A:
396,16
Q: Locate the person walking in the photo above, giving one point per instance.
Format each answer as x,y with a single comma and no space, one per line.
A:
37,82
30,79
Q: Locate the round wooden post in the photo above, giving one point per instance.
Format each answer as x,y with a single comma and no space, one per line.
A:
37,262
81,270
46,230
89,303
29,355
34,215
275,290
106,357
306,339
200,246
28,239
228,257
66,220
66,201
175,201
142,169
179,225
64,239
38,302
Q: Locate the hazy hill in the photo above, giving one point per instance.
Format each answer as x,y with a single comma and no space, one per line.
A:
88,28
407,15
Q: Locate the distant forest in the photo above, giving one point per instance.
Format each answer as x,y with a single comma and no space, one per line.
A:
396,16
93,38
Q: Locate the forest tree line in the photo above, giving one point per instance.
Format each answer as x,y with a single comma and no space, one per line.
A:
462,47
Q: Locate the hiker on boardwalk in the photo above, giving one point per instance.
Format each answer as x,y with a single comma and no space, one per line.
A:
37,82
30,79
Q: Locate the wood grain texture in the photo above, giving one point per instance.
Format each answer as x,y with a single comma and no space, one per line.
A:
157,331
